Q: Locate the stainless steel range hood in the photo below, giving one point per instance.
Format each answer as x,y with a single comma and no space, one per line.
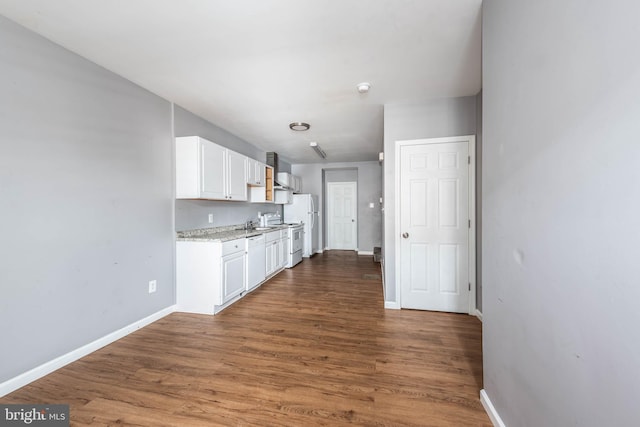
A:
283,180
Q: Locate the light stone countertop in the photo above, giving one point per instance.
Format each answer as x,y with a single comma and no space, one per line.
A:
222,234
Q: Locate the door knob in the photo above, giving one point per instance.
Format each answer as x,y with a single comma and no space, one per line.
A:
405,235
353,220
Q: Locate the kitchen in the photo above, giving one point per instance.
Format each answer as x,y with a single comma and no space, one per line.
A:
218,265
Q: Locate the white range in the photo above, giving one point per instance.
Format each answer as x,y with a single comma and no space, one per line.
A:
295,237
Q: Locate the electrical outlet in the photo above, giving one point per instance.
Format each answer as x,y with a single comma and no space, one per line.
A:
152,286
210,218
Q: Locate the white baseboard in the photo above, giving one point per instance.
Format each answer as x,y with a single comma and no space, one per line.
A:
393,305
57,363
365,252
491,410
479,314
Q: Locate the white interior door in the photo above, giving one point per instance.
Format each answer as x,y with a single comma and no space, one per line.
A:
434,226
342,211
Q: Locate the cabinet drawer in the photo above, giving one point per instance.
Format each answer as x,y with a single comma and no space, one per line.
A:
272,236
233,246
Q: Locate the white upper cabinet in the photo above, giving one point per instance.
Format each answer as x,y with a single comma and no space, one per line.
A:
297,184
236,176
289,182
255,173
251,171
205,170
263,193
284,197
212,172
260,171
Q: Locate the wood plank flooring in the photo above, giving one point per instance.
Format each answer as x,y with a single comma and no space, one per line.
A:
313,346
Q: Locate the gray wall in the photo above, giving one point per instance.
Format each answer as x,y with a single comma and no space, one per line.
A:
561,123
86,200
192,214
341,175
433,119
188,124
479,201
283,165
369,190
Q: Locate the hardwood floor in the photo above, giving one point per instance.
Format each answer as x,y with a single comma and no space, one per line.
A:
313,346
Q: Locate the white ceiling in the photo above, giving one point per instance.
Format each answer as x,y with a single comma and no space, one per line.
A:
253,66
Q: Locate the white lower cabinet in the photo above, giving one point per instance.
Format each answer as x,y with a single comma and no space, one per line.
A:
271,256
209,274
233,275
284,251
275,251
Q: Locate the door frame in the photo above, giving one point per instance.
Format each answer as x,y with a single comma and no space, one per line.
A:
329,219
471,141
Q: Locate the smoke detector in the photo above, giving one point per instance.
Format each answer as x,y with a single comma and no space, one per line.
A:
363,87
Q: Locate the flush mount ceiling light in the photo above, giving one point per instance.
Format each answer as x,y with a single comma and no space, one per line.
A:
299,126
318,150
363,87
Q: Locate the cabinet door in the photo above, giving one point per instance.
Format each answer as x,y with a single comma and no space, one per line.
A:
237,176
278,252
212,167
259,174
269,267
284,252
297,184
284,197
233,275
251,171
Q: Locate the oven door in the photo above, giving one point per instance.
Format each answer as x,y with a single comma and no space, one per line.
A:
296,239
295,258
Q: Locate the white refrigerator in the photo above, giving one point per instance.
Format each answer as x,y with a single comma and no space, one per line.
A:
305,209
